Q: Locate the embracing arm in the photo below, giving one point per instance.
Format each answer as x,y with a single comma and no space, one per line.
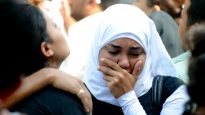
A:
49,76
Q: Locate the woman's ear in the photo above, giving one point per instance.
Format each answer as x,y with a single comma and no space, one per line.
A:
46,49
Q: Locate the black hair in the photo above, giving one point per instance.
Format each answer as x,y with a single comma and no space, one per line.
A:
196,73
197,64
197,79
196,39
22,30
196,12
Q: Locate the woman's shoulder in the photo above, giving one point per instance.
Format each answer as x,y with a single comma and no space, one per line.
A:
51,100
170,84
162,88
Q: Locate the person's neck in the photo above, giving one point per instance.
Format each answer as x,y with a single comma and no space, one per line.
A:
53,64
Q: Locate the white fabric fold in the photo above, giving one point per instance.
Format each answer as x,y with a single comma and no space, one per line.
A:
127,21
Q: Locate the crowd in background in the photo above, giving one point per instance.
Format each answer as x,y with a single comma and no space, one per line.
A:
81,57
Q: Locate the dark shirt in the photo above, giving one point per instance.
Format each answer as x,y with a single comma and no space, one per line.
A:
50,101
170,84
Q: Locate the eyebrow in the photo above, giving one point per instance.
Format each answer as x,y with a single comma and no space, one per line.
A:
132,48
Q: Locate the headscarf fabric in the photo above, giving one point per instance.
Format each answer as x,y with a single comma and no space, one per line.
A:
122,20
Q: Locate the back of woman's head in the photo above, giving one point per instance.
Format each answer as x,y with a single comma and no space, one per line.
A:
196,39
196,36
197,79
22,30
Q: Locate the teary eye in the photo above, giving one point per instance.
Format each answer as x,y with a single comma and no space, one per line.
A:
113,49
136,51
114,52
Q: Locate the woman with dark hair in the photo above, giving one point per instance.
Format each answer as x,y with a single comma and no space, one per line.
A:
39,45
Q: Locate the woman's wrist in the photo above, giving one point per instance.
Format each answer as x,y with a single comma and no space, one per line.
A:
126,98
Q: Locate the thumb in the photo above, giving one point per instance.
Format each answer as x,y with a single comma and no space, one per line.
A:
137,69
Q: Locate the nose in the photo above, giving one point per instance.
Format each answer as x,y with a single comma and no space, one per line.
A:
123,62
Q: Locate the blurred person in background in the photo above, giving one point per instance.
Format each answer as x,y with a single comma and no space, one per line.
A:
196,39
172,7
165,24
192,13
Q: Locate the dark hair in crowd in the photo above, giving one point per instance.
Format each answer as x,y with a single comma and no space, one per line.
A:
196,72
22,30
196,12
197,64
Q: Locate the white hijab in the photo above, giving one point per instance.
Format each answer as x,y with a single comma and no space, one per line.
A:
122,20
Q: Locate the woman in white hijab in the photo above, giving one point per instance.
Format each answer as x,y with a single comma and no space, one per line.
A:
126,54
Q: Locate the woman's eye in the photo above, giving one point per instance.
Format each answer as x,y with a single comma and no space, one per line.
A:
137,53
113,52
